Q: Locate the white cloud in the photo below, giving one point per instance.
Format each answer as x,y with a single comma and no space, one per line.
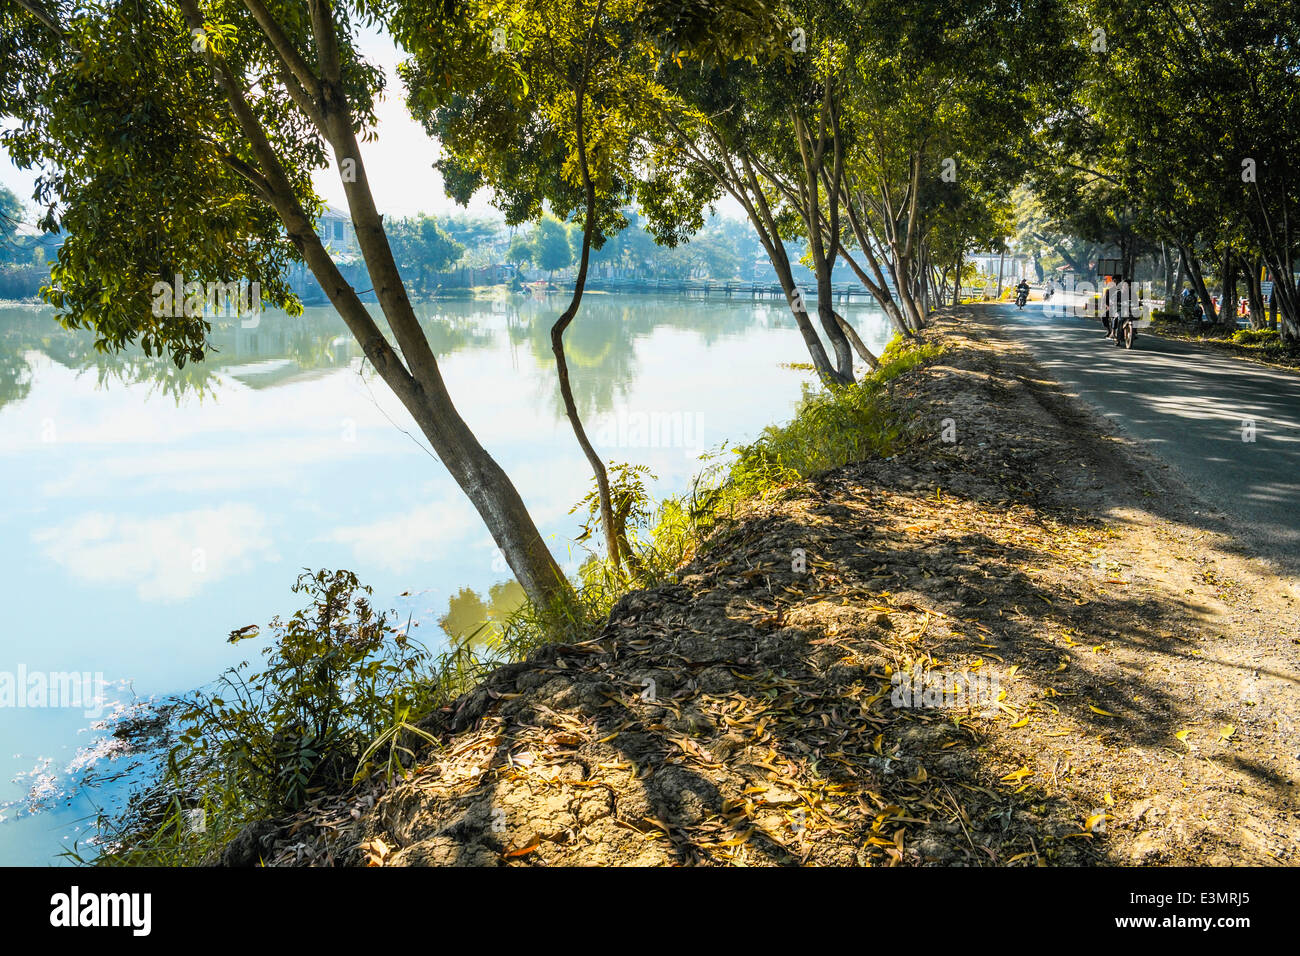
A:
421,534
168,558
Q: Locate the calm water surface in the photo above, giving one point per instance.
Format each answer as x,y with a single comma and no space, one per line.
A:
146,511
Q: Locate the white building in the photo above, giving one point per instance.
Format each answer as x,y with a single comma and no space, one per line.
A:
336,232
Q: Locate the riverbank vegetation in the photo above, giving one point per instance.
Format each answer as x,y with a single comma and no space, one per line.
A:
343,691
892,139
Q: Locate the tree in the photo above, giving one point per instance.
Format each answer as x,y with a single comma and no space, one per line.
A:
1183,132
545,148
12,249
422,250
551,242
521,250
198,122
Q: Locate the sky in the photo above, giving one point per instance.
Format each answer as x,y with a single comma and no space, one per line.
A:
399,163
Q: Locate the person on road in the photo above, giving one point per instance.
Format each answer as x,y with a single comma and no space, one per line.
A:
1022,292
1107,290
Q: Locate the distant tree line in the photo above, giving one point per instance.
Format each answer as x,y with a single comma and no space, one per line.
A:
23,256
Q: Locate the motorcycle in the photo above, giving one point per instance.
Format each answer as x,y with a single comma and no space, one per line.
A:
1124,332
1120,330
1022,297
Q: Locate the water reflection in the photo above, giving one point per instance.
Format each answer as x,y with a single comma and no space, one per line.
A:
473,620
148,510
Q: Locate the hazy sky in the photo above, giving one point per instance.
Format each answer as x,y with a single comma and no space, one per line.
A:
399,163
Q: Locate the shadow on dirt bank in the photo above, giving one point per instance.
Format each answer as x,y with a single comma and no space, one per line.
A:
964,655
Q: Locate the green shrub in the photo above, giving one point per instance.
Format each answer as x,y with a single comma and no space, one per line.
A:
1256,337
335,701
302,722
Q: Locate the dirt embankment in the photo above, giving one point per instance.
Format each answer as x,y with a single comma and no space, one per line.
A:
1018,642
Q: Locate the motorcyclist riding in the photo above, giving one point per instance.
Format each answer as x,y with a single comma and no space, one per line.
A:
1022,293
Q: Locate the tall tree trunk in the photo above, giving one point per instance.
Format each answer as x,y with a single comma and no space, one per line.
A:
1228,289
414,376
613,537
878,287
1167,271
744,186
1272,310
823,259
1178,282
1255,295
956,276
1198,283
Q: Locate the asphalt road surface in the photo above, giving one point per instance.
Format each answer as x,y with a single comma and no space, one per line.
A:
1189,405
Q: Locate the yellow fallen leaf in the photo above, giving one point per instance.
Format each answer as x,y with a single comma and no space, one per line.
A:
1090,824
1226,731
1022,722
1104,713
375,852
1017,775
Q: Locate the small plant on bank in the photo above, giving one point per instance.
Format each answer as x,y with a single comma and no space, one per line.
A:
335,701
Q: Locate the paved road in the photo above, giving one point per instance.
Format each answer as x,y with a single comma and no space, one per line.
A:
1190,406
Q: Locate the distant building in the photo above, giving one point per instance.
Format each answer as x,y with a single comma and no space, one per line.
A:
336,232
1014,267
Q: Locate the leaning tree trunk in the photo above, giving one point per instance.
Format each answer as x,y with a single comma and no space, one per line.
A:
414,376
760,217
613,536
859,346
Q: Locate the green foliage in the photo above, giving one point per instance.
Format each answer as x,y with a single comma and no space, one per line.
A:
521,251
139,170
423,249
1256,337
832,427
303,722
336,701
551,246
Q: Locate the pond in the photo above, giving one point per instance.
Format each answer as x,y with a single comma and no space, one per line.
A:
149,511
